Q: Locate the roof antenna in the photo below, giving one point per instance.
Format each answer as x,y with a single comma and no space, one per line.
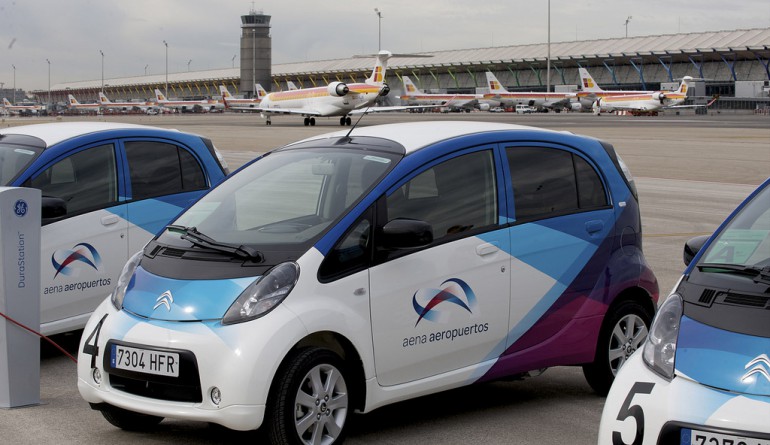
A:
366,111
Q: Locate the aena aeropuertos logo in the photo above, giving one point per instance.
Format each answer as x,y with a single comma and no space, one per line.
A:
64,259
432,304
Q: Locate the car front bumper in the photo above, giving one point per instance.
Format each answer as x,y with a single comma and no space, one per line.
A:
643,408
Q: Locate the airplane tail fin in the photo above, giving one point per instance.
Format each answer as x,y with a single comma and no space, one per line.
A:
378,73
685,85
290,86
225,93
159,96
587,82
103,99
409,87
261,93
495,87
72,99
6,103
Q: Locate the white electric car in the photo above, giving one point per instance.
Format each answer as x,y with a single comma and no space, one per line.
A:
360,268
703,376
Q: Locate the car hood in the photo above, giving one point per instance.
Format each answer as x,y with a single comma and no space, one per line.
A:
722,359
159,298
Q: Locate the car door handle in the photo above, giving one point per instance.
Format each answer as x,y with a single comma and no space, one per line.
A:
594,226
110,219
486,249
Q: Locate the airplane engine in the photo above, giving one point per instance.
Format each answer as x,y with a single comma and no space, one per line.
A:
338,89
575,106
385,90
484,107
659,96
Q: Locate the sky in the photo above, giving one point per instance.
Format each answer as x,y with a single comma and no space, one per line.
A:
65,39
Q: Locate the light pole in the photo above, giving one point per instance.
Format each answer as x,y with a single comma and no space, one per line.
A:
188,64
234,60
548,55
145,69
49,81
165,43
14,84
254,61
627,20
379,29
102,53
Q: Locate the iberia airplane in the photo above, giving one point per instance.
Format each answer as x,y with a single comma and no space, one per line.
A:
21,109
236,104
336,99
106,103
590,90
534,99
413,96
188,105
75,105
651,101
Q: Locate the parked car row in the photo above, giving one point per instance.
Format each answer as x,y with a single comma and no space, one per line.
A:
359,268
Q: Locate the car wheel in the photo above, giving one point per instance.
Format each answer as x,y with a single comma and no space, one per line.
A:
310,402
129,420
623,332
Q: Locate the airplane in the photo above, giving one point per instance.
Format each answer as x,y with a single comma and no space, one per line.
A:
590,90
336,99
649,102
125,106
188,105
534,99
236,104
75,105
413,96
21,109
290,85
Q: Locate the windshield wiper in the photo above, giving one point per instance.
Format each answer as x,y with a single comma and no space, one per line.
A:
199,239
760,274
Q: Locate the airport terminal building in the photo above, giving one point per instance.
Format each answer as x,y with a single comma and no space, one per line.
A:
734,65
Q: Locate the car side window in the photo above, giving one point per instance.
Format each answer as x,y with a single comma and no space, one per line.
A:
548,182
352,252
86,180
158,168
454,196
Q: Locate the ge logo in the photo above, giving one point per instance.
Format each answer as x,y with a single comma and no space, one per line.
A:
20,208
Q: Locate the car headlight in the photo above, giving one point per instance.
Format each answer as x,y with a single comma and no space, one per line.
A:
264,294
660,347
125,278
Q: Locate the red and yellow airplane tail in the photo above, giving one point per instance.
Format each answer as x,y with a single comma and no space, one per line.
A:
410,89
261,93
6,102
381,65
494,85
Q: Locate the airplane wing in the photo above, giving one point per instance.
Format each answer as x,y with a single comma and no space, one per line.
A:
694,105
300,111
390,108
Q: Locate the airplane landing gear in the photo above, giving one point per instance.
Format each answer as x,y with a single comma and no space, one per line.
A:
310,121
267,122
345,120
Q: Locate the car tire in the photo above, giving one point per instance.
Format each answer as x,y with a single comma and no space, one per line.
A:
624,331
129,420
310,397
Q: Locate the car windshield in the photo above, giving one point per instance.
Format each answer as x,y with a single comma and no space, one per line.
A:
13,160
745,241
287,197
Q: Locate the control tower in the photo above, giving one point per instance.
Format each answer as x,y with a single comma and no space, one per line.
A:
256,52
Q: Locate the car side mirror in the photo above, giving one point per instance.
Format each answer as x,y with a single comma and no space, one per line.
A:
692,247
407,234
52,207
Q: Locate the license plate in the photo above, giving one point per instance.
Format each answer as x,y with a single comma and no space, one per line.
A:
145,360
695,437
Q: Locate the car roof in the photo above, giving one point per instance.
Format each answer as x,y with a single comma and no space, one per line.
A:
415,135
53,133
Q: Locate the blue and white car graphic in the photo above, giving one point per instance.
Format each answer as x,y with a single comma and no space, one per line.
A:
349,271
107,189
703,375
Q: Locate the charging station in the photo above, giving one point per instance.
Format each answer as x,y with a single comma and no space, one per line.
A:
20,296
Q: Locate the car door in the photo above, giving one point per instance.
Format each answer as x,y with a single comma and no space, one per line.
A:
444,306
84,250
163,178
560,243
